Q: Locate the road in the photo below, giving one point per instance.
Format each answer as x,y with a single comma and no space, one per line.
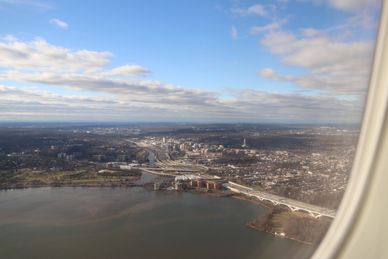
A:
170,167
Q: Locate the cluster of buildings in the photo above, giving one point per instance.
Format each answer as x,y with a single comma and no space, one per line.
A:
190,181
190,149
314,171
318,177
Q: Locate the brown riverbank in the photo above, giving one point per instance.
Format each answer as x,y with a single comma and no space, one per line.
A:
297,226
282,222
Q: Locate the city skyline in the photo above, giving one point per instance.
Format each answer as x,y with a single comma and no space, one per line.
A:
181,61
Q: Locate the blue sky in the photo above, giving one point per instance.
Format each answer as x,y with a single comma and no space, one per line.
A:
224,61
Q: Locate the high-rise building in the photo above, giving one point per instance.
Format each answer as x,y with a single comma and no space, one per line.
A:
244,143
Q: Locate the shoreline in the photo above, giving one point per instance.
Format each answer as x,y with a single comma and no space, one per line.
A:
20,186
251,200
264,223
251,225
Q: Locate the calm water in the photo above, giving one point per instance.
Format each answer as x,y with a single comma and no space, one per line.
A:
132,223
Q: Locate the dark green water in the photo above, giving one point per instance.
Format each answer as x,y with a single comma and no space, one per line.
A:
133,223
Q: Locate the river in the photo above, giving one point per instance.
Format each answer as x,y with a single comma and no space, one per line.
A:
134,223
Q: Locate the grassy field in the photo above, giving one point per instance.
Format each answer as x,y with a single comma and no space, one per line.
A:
25,178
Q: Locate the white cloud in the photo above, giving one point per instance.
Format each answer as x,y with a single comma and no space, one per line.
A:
310,32
362,19
297,107
39,5
233,33
268,27
34,104
127,70
38,54
330,85
331,64
354,5
354,26
257,10
130,89
267,72
277,41
59,23
43,63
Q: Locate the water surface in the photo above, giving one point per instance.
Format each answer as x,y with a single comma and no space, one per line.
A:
133,223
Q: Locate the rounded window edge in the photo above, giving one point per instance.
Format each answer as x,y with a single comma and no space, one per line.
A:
368,163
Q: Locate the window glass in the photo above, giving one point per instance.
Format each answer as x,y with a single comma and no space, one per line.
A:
170,129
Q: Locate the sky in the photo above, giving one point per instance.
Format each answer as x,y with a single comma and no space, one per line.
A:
278,61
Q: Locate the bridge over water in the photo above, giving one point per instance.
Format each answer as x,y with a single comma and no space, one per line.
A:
293,205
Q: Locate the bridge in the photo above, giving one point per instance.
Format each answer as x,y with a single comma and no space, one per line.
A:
293,205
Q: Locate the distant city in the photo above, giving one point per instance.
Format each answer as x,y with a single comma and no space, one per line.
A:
302,168
309,164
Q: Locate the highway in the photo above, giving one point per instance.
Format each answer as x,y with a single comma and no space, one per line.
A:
156,172
170,167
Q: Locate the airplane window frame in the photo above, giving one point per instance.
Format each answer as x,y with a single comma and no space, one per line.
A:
343,239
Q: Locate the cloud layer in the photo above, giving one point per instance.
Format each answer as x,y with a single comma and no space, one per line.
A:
247,105
43,56
334,60
353,5
334,65
124,96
